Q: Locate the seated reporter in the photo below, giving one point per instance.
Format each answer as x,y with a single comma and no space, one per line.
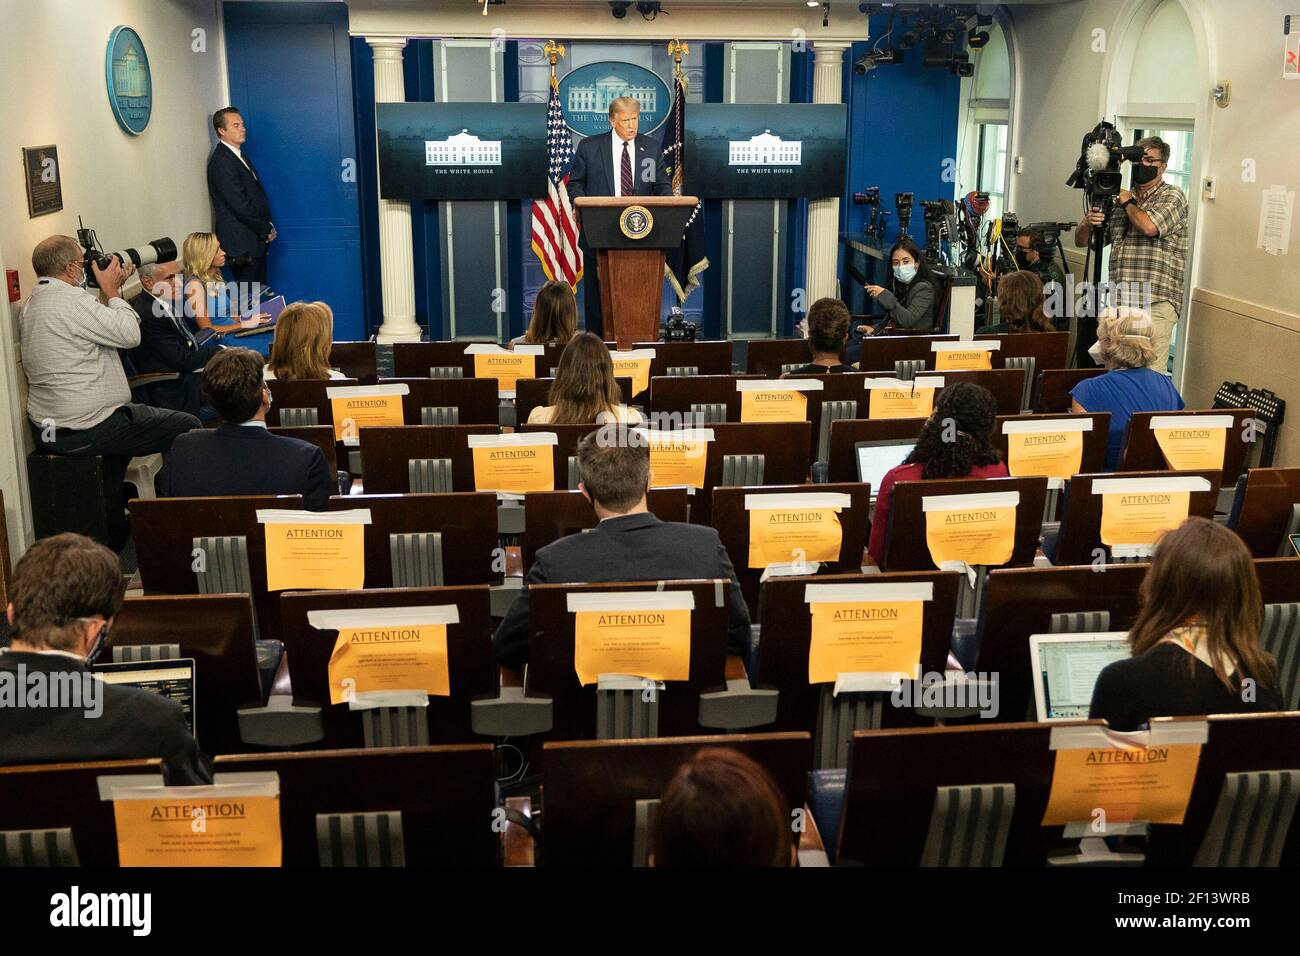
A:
909,296
555,316
166,345
241,457
828,333
78,399
1124,346
300,350
722,808
65,593
585,391
1020,306
1196,647
627,544
956,441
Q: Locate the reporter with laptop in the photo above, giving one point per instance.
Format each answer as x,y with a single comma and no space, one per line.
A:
1196,646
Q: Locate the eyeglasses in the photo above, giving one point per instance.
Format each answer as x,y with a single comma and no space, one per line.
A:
1151,160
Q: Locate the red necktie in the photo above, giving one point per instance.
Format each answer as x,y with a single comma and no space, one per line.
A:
625,178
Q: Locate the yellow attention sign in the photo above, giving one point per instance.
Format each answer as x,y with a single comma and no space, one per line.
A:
655,644
781,535
900,403
395,657
963,360
773,405
971,535
865,637
211,831
514,468
678,462
1141,517
638,369
354,413
1046,454
506,367
1126,783
310,557
1192,449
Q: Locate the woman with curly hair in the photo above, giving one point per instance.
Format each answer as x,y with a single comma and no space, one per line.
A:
956,441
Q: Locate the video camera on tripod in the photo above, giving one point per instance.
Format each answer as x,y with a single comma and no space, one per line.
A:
940,226
875,224
1097,171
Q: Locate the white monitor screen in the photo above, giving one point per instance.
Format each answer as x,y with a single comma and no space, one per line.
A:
1068,669
874,460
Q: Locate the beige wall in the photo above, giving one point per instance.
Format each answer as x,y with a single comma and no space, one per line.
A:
1244,316
130,189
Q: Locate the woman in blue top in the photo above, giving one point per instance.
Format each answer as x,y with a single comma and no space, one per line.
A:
1124,344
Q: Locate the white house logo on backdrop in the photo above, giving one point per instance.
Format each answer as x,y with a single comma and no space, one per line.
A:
462,149
765,149
587,91
127,76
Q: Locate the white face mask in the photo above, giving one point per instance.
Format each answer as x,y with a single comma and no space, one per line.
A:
1095,352
905,273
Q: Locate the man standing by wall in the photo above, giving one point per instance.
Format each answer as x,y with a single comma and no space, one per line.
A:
621,162
1148,236
240,210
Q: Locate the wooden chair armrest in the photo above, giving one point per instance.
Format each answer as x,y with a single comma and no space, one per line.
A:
735,668
812,851
511,677
516,842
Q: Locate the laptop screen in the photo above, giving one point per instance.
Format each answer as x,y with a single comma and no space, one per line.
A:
173,679
876,458
1068,666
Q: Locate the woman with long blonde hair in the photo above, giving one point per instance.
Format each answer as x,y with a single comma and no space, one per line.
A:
1196,647
555,316
585,390
301,347
206,300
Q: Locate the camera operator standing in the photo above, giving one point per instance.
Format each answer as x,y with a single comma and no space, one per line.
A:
1148,236
78,399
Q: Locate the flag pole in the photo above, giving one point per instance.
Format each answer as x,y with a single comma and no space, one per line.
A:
553,52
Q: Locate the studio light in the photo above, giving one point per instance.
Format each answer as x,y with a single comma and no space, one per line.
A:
618,8
977,41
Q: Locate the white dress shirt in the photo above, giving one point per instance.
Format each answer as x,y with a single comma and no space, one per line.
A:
235,150
617,149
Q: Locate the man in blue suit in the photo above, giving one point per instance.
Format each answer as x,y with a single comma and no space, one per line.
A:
621,162
241,457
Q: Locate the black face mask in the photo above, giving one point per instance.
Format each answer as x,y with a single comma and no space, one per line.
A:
1022,258
1143,174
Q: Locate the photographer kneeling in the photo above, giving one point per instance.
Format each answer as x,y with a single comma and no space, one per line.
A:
1148,236
78,399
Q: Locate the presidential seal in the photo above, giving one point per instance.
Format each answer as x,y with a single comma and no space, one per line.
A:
636,222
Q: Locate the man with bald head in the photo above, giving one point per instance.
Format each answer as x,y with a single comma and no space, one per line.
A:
621,162
78,399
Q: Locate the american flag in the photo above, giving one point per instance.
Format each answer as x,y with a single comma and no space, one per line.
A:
555,230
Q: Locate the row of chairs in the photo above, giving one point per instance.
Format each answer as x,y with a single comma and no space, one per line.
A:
953,796
768,358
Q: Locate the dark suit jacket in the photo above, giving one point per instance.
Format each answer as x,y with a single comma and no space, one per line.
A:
240,211
166,346
593,172
246,460
134,724
636,547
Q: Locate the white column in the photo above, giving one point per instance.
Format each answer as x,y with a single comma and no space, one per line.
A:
824,214
396,262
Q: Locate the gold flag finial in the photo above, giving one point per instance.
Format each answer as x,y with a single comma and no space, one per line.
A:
553,52
677,48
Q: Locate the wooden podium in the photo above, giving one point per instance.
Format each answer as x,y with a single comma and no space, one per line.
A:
630,235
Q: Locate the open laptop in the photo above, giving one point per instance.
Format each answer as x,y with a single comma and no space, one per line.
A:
1065,669
173,679
875,458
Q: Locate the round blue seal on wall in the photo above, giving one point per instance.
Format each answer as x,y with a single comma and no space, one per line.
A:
130,87
586,92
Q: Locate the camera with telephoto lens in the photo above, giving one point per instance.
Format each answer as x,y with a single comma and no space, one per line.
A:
678,329
159,250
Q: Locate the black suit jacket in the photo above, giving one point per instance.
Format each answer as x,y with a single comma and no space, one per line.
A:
636,547
240,211
245,460
166,346
593,172
134,724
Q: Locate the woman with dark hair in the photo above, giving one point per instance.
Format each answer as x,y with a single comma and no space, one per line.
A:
584,391
956,441
722,809
910,295
1020,305
555,316
1196,647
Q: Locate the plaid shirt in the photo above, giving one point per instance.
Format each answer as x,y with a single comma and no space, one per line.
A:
1160,260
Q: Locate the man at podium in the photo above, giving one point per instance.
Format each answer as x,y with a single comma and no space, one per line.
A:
618,163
